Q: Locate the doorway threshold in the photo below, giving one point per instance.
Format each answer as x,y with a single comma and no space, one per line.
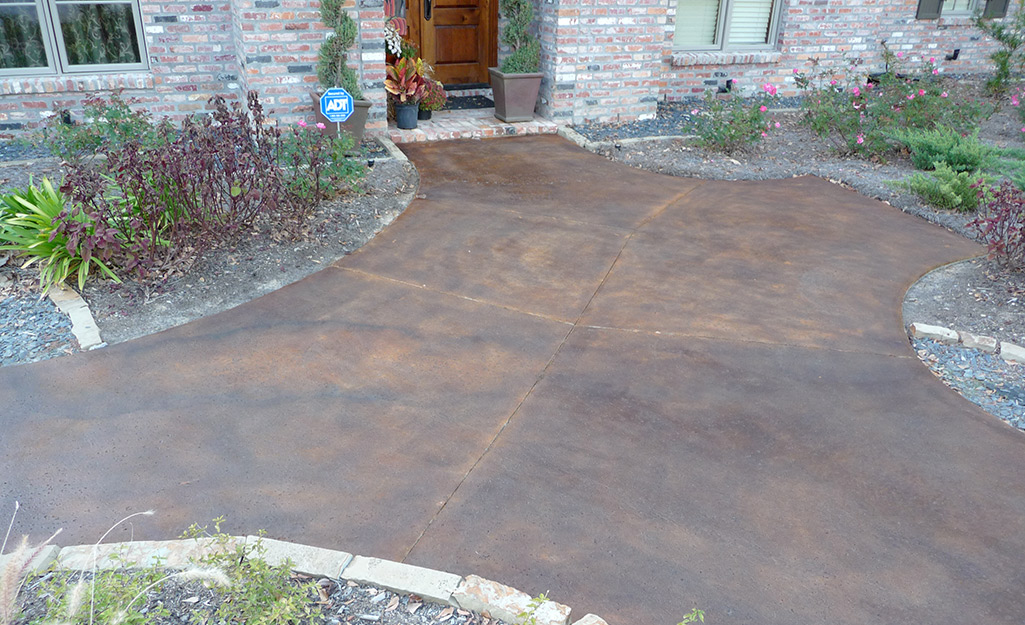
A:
468,124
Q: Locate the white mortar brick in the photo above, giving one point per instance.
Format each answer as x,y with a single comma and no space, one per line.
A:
305,559
591,619
430,584
936,333
1012,352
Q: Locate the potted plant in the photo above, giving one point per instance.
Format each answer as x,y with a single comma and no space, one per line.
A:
515,84
406,84
333,70
434,99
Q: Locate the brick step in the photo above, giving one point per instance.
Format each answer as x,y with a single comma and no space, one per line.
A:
469,124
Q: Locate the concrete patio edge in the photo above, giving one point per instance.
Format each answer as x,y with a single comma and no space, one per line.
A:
468,593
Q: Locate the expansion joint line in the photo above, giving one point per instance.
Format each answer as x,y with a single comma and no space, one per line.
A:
544,370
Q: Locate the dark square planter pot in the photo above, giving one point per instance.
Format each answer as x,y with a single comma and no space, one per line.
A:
515,95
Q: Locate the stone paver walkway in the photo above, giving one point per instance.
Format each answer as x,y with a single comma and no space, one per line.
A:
636,392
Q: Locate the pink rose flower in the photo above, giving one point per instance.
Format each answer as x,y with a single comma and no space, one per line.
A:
763,108
935,72
921,92
832,82
911,96
943,95
301,123
861,139
776,124
693,111
765,134
857,91
795,71
900,55
932,59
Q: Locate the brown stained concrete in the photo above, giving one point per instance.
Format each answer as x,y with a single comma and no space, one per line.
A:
642,394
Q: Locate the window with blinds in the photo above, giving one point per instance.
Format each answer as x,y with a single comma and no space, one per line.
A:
725,24
958,6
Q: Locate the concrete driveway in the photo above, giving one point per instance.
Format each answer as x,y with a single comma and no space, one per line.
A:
640,393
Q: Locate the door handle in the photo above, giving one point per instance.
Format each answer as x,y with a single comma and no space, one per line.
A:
427,10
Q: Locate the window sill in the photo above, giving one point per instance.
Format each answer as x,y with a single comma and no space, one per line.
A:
75,83
748,57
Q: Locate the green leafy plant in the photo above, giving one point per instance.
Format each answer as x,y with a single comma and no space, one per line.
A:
332,60
857,112
33,224
109,122
943,145
731,124
525,49
434,96
694,616
317,166
529,615
260,594
946,188
1001,224
1010,36
405,80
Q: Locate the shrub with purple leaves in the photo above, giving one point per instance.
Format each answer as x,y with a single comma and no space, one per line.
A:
168,200
1001,224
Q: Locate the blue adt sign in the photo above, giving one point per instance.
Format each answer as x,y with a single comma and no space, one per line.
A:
336,104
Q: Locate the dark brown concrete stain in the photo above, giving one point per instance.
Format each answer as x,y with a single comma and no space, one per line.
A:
795,465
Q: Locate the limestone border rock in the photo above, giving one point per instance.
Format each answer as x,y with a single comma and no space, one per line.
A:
470,593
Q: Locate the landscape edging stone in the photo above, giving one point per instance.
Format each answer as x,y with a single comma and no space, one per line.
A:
318,562
1008,351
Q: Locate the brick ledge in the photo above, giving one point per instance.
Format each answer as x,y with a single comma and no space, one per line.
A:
687,59
17,85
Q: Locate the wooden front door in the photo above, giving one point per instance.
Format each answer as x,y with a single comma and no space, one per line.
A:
456,37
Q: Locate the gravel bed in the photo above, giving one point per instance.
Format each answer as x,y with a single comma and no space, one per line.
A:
994,384
672,118
338,602
15,150
33,328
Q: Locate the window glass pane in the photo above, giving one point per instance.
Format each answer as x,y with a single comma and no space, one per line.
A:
957,6
750,21
21,38
99,34
696,23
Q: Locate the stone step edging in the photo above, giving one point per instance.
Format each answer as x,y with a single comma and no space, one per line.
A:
1010,352
472,592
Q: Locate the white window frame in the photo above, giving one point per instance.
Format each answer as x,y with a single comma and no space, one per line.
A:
56,54
973,6
720,28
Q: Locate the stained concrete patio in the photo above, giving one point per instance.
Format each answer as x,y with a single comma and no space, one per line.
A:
639,393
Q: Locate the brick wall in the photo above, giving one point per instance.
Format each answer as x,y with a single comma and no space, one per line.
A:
830,30
601,60
206,47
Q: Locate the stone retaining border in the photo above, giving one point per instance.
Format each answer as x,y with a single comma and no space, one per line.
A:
467,593
83,326
1010,352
